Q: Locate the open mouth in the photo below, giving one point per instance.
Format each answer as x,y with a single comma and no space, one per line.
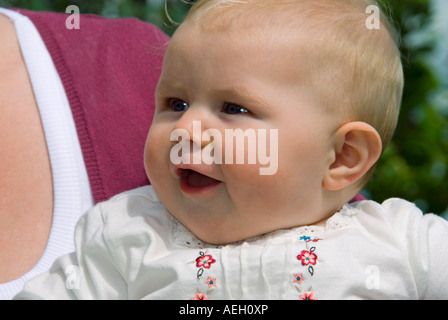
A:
192,181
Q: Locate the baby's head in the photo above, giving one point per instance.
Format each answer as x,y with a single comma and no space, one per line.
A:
307,84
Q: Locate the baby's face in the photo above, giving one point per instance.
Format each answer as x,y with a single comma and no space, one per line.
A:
237,85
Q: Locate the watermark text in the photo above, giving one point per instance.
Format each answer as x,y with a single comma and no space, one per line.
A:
192,150
72,21
373,21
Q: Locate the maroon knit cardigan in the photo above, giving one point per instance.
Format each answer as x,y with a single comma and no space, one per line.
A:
109,69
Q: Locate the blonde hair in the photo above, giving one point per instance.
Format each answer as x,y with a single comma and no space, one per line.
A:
356,71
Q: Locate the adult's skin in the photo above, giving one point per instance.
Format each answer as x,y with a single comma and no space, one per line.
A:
26,187
75,110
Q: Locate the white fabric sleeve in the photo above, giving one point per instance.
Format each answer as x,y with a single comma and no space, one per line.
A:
90,273
426,238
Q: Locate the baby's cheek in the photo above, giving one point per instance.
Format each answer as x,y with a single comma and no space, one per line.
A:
155,153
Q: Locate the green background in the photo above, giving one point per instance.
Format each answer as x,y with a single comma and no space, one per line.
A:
415,165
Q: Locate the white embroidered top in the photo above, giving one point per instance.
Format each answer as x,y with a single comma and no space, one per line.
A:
130,247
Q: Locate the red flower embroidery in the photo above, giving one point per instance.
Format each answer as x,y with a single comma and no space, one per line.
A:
308,296
200,296
298,278
211,282
205,261
307,258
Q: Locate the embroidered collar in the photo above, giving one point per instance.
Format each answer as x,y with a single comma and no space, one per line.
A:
183,237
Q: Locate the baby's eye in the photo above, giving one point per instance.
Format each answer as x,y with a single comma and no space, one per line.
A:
231,108
177,105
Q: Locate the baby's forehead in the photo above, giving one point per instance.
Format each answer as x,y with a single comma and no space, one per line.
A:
301,30
225,14
317,22
230,16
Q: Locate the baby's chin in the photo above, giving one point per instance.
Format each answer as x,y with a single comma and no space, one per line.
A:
220,241
225,237
218,237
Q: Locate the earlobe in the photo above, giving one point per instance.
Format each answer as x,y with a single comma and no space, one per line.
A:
357,148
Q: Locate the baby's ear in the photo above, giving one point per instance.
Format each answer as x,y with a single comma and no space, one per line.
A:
357,148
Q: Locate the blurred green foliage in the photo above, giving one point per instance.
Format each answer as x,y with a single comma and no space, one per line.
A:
415,164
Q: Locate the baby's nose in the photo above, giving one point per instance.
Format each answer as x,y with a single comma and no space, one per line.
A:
193,124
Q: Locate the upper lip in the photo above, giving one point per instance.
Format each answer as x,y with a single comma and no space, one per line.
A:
204,169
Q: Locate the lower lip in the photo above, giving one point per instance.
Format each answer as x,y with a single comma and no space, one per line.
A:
186,188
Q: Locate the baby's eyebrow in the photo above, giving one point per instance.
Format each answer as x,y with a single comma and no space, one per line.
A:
242,94
169,85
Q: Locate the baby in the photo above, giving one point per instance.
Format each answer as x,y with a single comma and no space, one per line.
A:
307,82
